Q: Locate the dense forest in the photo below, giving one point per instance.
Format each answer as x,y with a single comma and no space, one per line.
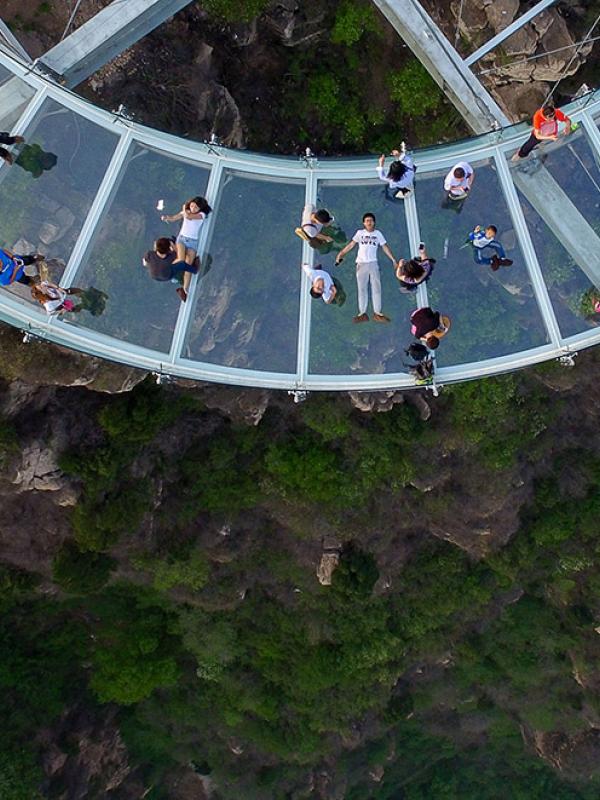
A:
163,625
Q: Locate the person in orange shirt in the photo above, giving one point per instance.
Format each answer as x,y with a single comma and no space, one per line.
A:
545,128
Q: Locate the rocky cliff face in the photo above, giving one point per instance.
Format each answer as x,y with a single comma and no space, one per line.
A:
50,397
518,72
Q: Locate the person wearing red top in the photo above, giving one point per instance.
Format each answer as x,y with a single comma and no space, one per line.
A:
545,128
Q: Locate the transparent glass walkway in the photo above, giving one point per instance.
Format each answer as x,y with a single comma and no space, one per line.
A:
249,319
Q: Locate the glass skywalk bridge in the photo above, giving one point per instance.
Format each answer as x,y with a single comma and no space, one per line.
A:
249,319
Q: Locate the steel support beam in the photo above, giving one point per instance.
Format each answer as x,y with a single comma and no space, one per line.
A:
110,32
446,67
308,257
12,42
508,31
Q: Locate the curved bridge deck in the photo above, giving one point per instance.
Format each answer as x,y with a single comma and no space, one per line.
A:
249,319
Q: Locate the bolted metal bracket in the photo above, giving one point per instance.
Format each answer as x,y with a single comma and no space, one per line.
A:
433,388
213,142
567,360
299,395
30,336
162,378
123,113
583,90
309,159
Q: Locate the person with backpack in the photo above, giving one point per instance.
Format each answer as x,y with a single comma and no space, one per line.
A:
12,267
411,273
312,226
54,298
457,185
369,240
400,176
481,241
429,326
423,366
545,128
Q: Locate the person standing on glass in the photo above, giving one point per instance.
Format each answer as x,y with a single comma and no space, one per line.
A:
545,128
400,176
458,183
369,240
6,138
193,213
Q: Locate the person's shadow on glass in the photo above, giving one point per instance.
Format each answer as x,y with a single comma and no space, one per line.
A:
35,160
338,238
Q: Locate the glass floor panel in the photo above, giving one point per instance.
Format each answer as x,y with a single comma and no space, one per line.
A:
51,186
138,309
4,74
15,94
337,345
565,280
248,299
568,166
492,313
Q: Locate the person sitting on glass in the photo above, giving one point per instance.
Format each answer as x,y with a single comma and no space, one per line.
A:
545,128
321,283
54,298
458,183
400,176
193,213
6,138
414,271
369,240
486,240
312,225
12,267
163,264
429,326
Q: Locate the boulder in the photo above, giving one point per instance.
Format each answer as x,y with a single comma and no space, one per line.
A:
39,470
376,401
326,568
472,19
49,232
23,247
501,13
521,98
553,66
64,218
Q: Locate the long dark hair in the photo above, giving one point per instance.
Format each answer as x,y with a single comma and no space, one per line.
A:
397,170
202,204
413,269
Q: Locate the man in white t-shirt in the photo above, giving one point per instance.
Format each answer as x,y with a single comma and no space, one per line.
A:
459,180
369,240
321,283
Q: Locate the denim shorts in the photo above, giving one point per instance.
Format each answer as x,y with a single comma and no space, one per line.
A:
190,244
